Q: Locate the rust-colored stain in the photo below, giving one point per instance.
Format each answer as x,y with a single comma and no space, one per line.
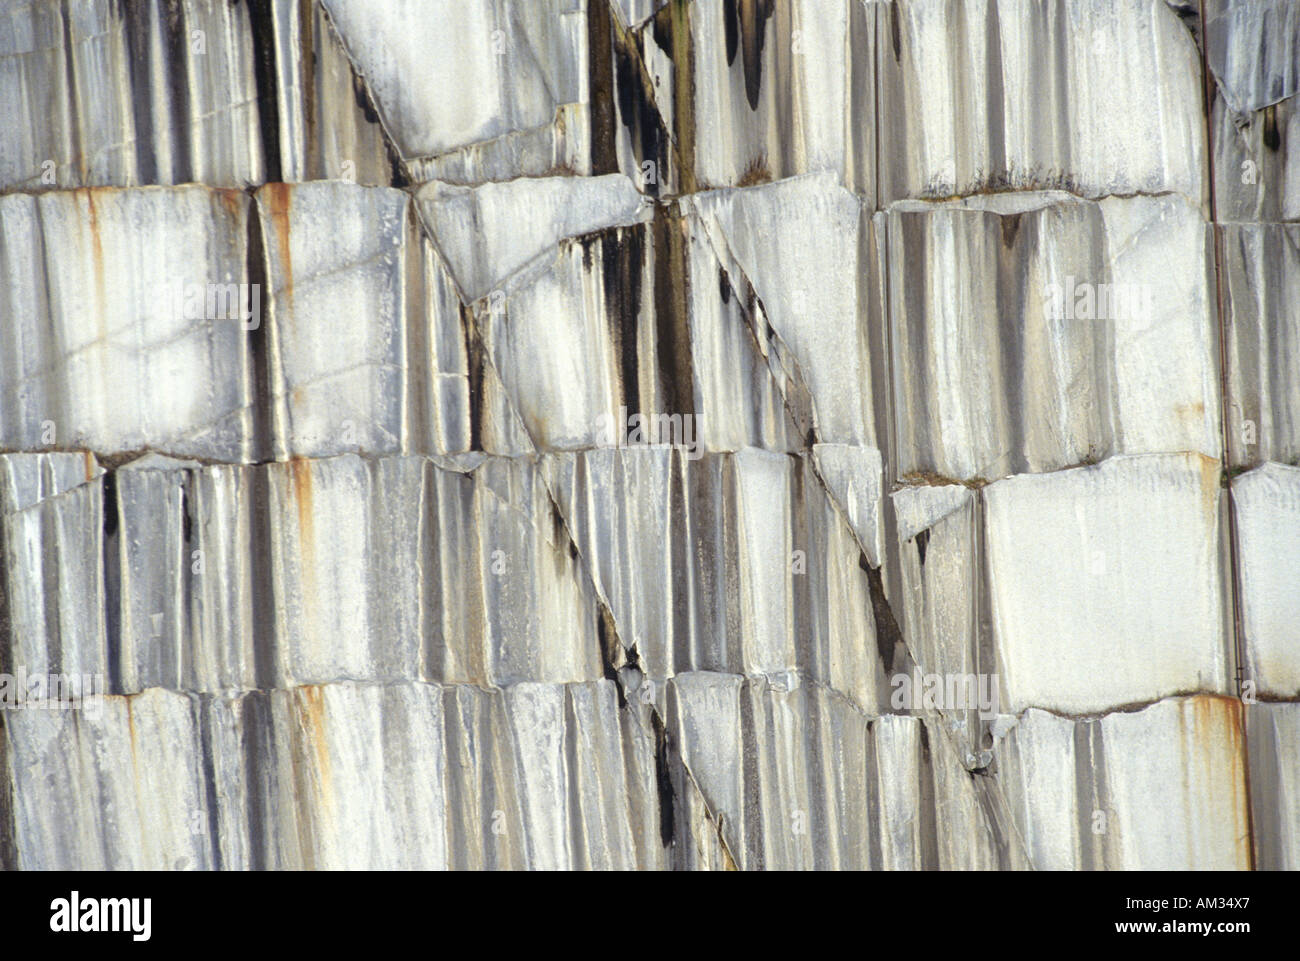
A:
97,253
313,717
308,739
302,495
303,499
279,199
1210,471
89,461
756,173
232,200
1216,730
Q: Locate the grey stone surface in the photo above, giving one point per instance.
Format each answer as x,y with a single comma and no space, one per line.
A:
660,426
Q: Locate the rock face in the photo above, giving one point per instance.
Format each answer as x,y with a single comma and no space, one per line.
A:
650,434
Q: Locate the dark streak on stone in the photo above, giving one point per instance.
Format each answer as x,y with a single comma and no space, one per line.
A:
8,643
994,118
262,27
922,542
888,635
1010,227
70,78
663,777
263,600
752,808
682,558
212,802
672,324
112,584
600,81
662,32
607,640
259,351
187,522
257,734
640,115
622,256
8,834
475,356
731,29
135,18
1272,139
178,101
396,170
577,835
672,33
929,828
110,505
307,58
362,99
895,31
754,15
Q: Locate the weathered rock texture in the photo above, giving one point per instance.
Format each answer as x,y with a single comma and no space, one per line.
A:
968,335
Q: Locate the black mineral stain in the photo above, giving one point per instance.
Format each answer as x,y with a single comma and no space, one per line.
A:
136,20
895,31
1272,138
1010,227
187,523
922,542
70,78
622,256
396,170
8,823
362,99
258,744
608,642
259,352
6,633
663,776
262,27
600,81
263,522
111,567
558,531
724,285
888,634
671,28
1188,13
110,505
672,327
475,355
731,28
754,15
178,86
640,115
